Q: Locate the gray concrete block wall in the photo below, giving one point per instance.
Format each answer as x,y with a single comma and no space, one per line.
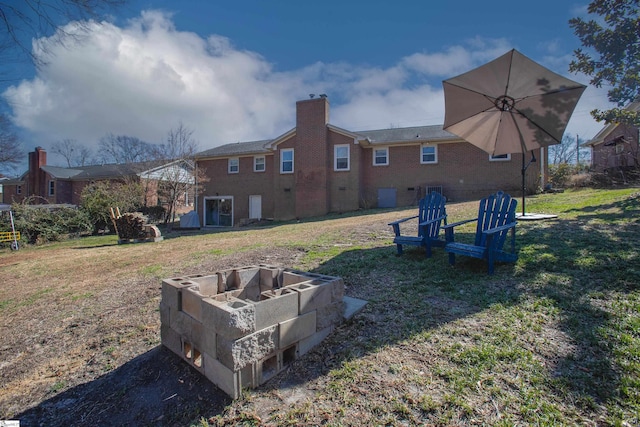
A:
240,327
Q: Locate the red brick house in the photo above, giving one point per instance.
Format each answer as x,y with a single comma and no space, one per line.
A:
317,168
616,146
59,185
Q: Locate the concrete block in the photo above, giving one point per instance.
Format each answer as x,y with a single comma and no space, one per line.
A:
337,289
206,285
232,318
222,282
181,322
268,278
276,306
248,378
209,342
293,330
165,314
250,292
192,354
289,278
311,296
306,344
223,377
330,315
240,278
171,291
192,302
170,339
269,367
352,306
196,335
236,354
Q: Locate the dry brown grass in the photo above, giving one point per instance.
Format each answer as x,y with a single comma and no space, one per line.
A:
547,341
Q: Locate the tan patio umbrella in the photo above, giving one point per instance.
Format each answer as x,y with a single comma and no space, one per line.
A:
510,105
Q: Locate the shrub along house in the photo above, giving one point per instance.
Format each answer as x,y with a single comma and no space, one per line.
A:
317,168
616,146
58,185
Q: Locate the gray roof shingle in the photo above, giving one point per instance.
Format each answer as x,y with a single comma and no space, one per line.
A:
237,148
376,137
417,133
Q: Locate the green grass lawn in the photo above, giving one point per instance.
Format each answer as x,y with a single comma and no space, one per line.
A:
552,340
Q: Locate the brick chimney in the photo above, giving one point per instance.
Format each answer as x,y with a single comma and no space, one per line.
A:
312,158
36,181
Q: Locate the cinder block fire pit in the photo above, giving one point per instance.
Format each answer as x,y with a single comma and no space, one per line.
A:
240,327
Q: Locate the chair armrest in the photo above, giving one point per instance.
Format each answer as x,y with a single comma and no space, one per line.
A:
402,220
455,224
431,221
501,228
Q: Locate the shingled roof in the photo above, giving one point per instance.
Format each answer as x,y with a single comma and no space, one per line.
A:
110,170
374,137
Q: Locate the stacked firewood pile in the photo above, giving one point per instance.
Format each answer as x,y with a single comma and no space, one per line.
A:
133,226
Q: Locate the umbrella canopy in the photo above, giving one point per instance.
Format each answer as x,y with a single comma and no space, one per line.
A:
510,105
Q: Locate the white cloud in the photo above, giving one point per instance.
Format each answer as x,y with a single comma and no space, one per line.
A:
145,78
142,79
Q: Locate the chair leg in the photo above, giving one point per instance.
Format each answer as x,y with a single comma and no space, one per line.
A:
490,262
399,249
452,258
427,248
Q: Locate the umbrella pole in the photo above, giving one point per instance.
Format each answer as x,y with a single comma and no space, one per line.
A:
524,169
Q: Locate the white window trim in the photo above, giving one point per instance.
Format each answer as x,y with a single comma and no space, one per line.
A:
18,189
237,161
435,154
499,159
335,158
293,157
264,163
52,187
386,163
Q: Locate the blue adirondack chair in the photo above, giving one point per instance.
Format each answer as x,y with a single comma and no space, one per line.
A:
431,215
496,220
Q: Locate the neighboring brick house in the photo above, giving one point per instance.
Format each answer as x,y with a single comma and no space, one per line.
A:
317,168
58,185
616,146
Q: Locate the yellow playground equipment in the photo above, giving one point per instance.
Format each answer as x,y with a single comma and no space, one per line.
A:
12,236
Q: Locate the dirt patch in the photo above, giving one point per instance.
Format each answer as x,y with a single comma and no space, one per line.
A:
80,326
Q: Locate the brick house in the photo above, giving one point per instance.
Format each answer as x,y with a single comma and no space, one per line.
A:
317,168
616,146
59,185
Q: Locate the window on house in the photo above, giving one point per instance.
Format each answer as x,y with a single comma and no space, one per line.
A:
258,164
500,158
341,157
380,156
286,160
234,165
18,189
52,188
429,154
619,148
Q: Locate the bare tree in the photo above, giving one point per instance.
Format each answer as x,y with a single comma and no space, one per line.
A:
178,177
25,20
10,151
125,149
73,153
568,151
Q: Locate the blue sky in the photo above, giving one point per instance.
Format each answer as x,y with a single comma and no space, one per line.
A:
232,71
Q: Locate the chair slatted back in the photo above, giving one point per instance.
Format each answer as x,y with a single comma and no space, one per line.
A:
496,210
432,206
